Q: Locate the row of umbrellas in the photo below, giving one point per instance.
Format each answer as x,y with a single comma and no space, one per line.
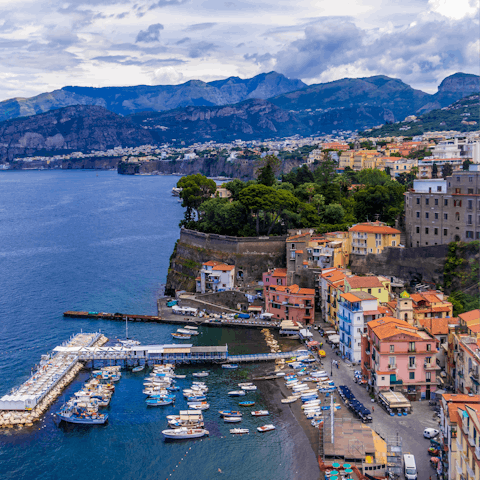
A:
333,474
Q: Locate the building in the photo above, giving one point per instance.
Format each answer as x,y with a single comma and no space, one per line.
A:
372,237
438,212
215,277
275,276
399,356
354,311
331,286
425,166
399,165
290,302
379,286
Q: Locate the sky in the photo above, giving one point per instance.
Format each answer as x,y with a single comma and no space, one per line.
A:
48,44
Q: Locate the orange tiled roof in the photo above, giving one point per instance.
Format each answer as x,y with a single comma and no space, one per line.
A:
372,228
474,328
386,310
350,297
295,237
210,263
224,267
334,276
470,316
279,272
460,398
363,282
294,289
435,326
387,327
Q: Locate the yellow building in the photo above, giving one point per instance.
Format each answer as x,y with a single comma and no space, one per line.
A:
379,287
362,158
346,159
372,237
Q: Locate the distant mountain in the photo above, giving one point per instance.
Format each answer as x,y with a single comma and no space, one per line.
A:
77,128
463,115
252,119
128,100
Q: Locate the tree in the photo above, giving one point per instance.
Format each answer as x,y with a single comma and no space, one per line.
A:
219,215
466,164
325,172
235,187
334,213
195,190
306,191
372,176
447,170
388,171
257,198
304,175
266,176
379,200
434,170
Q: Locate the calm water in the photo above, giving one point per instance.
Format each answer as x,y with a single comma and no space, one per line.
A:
101,241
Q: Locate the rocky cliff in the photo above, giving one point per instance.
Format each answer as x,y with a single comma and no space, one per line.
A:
70,129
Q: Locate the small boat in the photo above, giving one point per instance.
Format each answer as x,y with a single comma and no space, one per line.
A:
183,433
187,331
173,388
180,376
246,404
73,414
230,413
138,369
200,374
248,387
196,398
266,428
181,336
190,327
200,406
289,400
260,413
232,419
280,374
156,402
245,384
237,393
230,366
239,431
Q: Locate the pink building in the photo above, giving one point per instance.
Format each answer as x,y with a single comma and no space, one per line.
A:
401,357
275,276
289,302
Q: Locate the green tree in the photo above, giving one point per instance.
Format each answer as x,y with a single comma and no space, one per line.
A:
388,171
466,164
372,177
447,170
195,190
383,200
235,186
325,172
434,170
334,213
304,175
266,176
257,199
219,215
306,191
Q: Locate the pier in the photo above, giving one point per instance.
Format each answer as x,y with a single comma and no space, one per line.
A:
175,319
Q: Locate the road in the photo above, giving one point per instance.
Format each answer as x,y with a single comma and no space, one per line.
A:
409,428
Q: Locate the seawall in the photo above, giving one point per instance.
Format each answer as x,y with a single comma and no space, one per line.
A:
251,256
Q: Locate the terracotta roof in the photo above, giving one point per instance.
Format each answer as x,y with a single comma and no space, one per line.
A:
363,282
279,272
386,310
294,289
435,326
299,251
350,297
373,228
387,327
460,398
334,276
372,312
294,237
474,328
210,263
473,315
224,267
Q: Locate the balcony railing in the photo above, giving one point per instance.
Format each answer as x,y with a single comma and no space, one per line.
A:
459,444
392,367
465,428
477,452
471,441
412,367
470,472
396,382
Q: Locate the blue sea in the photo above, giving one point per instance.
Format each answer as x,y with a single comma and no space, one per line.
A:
86,240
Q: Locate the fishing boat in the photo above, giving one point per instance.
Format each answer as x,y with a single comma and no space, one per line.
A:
200,406
156,402
200,374
173,388
190,327
229,413
248,387
230,366
138,369
246,404
245,384
237,393
183,433
289,399
181,336
239,431
187,331
260,413
187,415
73,414
196,398
232,419
180,376
266,428
280,374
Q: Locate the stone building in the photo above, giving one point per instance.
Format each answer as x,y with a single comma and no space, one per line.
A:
438,212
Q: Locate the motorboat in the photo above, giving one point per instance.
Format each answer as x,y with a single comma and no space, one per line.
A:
248,387
200,374
237,393
230,366
73,414
190,327
280,374
266,428
246,404
200,406
232,419
183,433
180,376
138,369
156,402
289,399
260,413
229,413
239,431
181,336
245,384
187,331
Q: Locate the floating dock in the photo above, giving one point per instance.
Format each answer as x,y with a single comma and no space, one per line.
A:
181,320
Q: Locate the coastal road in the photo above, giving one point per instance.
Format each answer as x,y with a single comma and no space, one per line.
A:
409,428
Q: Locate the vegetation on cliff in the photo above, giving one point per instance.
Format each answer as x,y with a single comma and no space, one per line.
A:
319,199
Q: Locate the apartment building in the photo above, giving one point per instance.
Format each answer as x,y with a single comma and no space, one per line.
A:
396,355
331,286
466,459
442,211
275,276
372,237
215,277
425,166
378,286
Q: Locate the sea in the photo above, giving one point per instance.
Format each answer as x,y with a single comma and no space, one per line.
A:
99,241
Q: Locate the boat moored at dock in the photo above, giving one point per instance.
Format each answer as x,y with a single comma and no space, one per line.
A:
184,433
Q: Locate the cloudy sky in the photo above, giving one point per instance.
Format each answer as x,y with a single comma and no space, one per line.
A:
47,44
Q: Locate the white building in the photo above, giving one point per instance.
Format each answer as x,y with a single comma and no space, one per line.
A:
355,310
215,277
434,185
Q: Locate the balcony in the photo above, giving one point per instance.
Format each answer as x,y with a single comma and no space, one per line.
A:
471,441
459,444
465,427
367,366
459,469
470,472
396,382
477,452
412,367
392,367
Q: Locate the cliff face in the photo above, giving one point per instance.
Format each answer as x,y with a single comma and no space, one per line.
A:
78,128
455,87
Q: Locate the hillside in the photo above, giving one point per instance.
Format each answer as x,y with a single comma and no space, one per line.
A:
463,116
78,128
128,100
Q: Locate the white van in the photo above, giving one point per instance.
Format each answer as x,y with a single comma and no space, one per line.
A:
410,467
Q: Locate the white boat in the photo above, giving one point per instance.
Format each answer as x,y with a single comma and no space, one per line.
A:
260,413
266,428
182,433
179,376
138,369
190,327
239,431
232,419
205,406
280,374
230,366
181,336
187,331
245,384
289,400
200,374
237,393
249,387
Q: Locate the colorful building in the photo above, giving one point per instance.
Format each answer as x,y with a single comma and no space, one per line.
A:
290,303
379,287
215,277
275,276
399,356
331,286
372,237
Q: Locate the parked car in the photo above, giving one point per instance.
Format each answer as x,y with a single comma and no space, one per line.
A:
430,432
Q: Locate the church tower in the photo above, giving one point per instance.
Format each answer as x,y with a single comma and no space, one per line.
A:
405,308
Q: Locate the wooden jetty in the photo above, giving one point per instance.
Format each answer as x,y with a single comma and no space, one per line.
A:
181,320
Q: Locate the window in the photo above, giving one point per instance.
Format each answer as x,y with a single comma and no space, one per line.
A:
426,215
429,347
469,219
411,362
418,200
392,348
418,214
457,203
293,246
426,231
267,280
435,231
445,202
445,216
470,179
379,290
436,201
469,234
478,236
458,179
439,189
458,190
470,204
428,376
411,375
369,290
427,201
470,191
436,216
411,348
418,229
391,361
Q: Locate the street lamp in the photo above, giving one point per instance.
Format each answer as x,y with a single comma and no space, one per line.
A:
331,368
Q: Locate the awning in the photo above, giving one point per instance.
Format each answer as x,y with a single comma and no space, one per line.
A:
313,343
